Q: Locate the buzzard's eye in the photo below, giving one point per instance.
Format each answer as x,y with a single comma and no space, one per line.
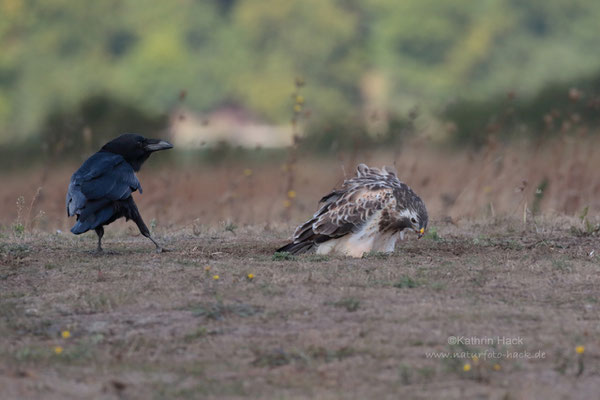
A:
414,221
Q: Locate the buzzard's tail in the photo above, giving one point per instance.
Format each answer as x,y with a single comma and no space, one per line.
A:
296,247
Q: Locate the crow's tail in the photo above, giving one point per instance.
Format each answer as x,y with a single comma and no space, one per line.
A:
92,221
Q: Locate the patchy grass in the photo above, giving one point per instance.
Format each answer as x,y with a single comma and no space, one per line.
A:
406,282
351,304
218,310
145,325
283,256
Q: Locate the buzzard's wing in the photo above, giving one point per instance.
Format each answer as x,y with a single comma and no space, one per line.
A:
350,211
101,180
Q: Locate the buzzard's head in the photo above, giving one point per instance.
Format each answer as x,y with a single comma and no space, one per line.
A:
417,216
413,214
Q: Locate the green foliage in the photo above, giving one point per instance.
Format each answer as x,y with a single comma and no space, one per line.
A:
95,121
354,55
353,132
556,108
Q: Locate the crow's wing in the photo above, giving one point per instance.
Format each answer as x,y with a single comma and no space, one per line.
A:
102,179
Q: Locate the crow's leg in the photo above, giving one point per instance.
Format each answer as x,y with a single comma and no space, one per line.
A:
137,218
100,232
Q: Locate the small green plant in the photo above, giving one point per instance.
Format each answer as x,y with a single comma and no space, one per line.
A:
329,355
230,227
565,361
427,373
32,353
432,234
274,358
351,304
284,256
376,255
19,226
538,196
219,310
198,333
406,282
24,222
587,228
561,265
405,374
18,229
16,252
317,258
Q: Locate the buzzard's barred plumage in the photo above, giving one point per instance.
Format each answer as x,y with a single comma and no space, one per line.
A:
369,213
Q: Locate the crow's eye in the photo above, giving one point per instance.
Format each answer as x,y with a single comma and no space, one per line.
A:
414,221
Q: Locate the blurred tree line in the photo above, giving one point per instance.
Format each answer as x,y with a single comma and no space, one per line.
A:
59,56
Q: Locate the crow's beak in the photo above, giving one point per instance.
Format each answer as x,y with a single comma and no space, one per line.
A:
157,144
421,232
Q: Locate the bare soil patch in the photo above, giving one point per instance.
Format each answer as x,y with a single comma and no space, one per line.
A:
145,325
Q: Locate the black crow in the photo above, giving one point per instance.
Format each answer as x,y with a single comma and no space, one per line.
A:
100,190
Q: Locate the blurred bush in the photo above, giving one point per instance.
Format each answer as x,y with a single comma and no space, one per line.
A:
93,122
356,132
56,53
556,108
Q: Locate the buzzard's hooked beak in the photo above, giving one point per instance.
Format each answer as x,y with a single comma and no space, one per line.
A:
421,233
156,145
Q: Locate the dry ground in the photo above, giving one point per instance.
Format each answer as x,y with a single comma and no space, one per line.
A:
154,326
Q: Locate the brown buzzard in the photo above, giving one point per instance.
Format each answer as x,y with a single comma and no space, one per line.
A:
368,213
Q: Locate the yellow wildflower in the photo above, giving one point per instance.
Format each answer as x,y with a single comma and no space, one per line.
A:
58,349
297,108
579,349
287,203
247,172
216,277
291,194
250,276
497,367
300,99
467,367
207,268
65,334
